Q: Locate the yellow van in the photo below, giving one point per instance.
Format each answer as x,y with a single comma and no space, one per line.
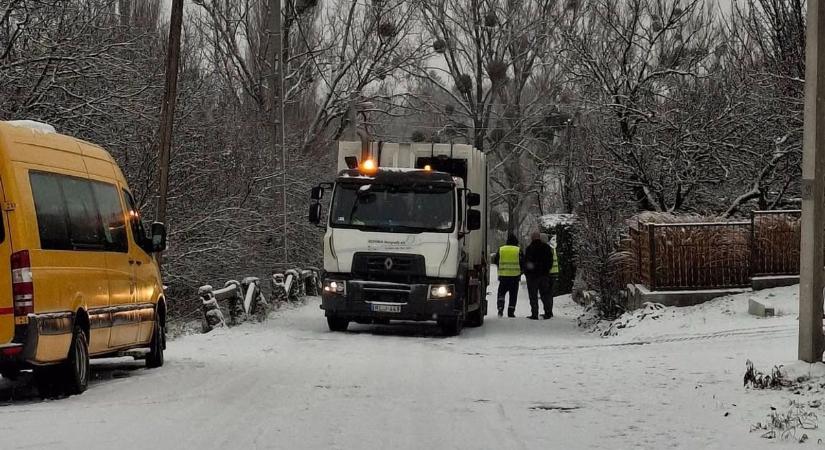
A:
77,274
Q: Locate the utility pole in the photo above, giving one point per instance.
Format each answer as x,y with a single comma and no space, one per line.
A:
167,112
277,92
812,252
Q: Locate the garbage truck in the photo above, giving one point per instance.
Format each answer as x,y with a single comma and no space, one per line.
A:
405,235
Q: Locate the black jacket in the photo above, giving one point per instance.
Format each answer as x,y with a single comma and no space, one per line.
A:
538,259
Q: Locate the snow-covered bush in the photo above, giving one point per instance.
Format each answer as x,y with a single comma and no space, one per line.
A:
790,425
593,320
595,248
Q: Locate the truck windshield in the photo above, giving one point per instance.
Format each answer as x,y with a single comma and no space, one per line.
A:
393,209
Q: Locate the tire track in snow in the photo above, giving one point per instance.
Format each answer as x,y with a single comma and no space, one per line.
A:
777,331
511,431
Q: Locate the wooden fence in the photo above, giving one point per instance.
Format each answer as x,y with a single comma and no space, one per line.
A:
714,255
775,243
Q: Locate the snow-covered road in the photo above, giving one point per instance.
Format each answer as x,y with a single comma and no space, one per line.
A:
513,384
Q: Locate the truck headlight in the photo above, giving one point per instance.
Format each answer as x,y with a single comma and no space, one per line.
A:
441,291
335,287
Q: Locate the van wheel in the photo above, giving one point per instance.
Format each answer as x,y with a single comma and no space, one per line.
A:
46,379
10,373
74,372
451,326
336,323
154,358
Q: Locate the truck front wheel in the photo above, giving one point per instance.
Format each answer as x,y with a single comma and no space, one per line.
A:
476,318
451,326
337,323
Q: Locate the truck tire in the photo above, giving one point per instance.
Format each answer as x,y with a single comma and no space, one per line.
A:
74,372
336,323
476,318
154,358
451,326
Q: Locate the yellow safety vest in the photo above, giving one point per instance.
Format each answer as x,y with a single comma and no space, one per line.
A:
508,261
555,269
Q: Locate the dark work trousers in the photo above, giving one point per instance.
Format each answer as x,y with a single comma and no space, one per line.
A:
541,285
508,285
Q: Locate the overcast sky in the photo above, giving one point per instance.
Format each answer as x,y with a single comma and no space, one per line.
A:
724,4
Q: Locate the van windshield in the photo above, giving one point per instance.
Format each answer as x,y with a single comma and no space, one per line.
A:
393,209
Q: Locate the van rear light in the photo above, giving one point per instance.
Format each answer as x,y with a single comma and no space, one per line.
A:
13,350
21,283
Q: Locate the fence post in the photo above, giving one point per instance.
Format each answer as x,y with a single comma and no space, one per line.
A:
752,246
292,281
639,252
212,315
651,231
236,310
255,303
279,293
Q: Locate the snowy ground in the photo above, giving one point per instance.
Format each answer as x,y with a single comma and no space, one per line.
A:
673,382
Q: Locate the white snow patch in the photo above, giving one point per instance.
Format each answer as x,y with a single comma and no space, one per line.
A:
400,169
649,311
727,314
801,370
523,384
553,220
33,125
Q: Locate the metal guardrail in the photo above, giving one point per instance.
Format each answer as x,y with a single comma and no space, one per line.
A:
245,300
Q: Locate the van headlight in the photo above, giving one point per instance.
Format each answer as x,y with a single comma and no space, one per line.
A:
335,287
441,291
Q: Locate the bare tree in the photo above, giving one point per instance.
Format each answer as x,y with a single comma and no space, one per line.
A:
630,57
492,77
766,61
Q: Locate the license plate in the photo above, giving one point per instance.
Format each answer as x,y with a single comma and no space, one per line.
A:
387,308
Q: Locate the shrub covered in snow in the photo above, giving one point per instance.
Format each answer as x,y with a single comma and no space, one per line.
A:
790,425
593,320
800,379
564,228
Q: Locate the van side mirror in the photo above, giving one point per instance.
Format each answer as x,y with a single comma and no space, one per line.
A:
473,199
317,193
315,213
158,237
473,220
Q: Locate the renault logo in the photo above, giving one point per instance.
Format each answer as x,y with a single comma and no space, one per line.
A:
388,264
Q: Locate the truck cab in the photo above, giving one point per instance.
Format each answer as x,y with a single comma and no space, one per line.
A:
404,237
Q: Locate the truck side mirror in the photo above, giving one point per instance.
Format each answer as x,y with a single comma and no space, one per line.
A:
473,220
317,193
315,213
158,237
473,199
352,162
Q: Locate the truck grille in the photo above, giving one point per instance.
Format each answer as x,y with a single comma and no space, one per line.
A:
389,297
388,265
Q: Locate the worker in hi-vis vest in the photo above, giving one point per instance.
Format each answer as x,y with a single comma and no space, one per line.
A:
509,260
